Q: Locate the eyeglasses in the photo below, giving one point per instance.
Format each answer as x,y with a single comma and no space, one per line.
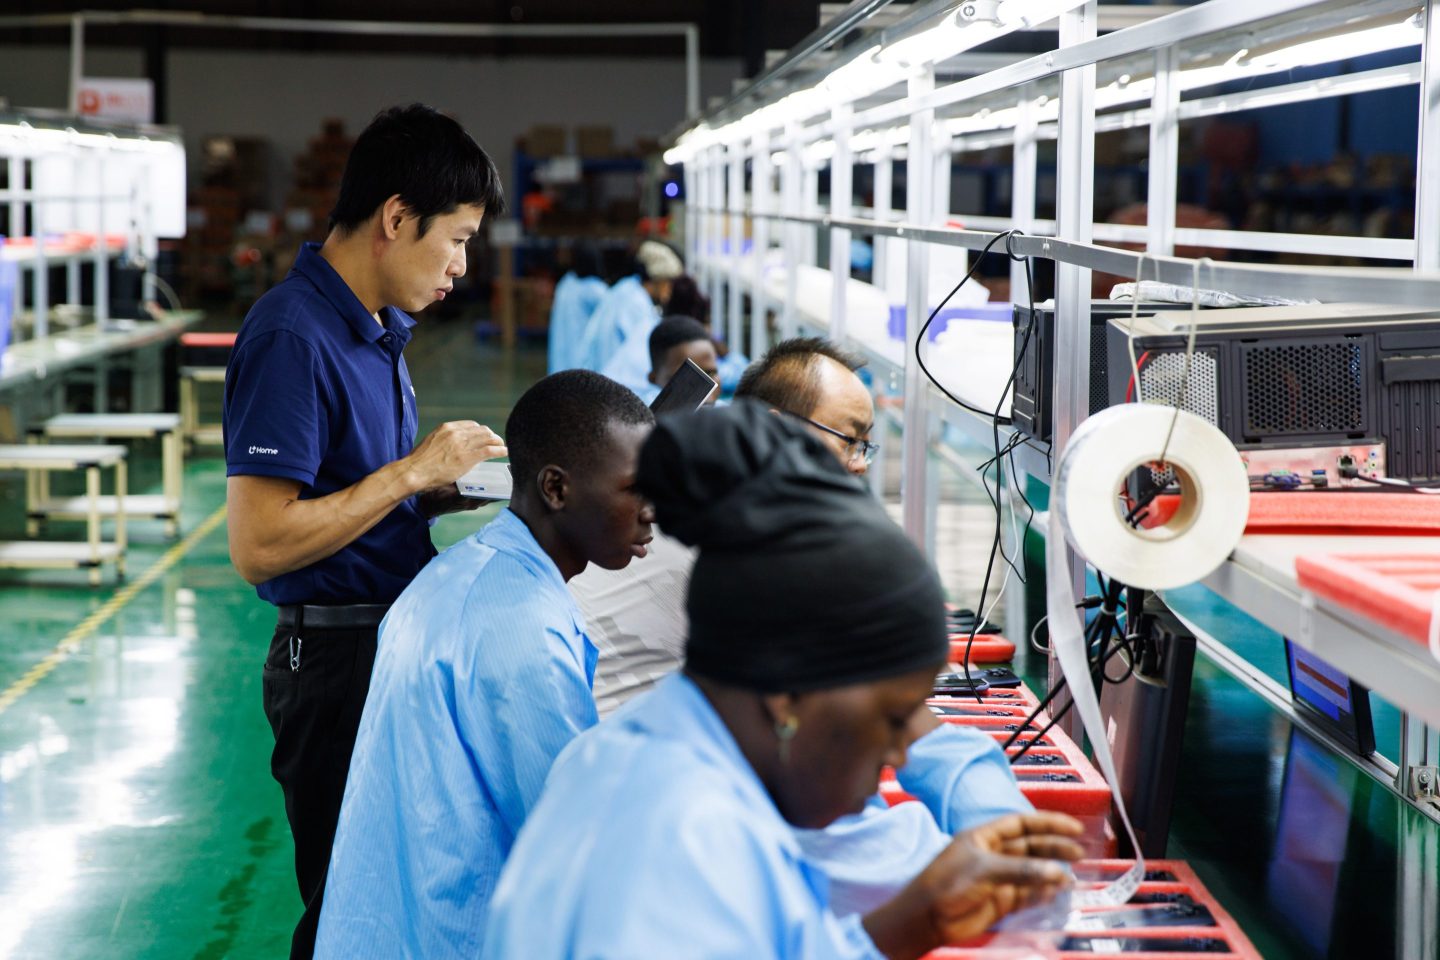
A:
856,449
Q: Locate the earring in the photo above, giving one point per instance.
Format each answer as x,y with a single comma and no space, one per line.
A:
785,732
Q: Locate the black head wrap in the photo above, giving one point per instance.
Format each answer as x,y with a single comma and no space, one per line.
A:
803,582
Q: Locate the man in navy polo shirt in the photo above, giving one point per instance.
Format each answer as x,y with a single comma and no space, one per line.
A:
330,499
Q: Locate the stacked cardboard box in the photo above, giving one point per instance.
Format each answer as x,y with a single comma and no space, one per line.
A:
317,181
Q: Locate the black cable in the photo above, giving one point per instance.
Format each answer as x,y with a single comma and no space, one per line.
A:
1401,485
997,544
1099,631
994,498
920,339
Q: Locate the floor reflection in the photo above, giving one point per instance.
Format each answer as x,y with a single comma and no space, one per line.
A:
84,772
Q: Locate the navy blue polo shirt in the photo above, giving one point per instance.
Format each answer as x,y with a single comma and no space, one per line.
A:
317,391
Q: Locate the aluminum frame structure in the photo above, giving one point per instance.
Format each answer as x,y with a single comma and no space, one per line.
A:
927,118
128,209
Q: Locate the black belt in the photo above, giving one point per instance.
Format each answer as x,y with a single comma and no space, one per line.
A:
350,616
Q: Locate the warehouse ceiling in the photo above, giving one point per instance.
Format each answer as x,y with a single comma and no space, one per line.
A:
741,29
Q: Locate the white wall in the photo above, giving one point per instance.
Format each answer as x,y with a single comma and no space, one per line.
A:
283,96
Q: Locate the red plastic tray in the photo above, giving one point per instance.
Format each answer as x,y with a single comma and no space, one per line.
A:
1178,879
987,648
1397,591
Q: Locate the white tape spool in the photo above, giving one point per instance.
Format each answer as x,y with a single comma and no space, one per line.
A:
1087,511
1214,496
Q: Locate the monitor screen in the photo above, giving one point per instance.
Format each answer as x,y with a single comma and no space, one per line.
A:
1312,831
1330,699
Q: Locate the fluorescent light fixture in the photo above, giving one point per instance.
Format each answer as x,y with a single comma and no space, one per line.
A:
975,23
1046,110
955,34
50,139
1345,46
1028,14
862,76
1243,66
869,141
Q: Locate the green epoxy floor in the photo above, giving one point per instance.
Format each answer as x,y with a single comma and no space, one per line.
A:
138,817
137,813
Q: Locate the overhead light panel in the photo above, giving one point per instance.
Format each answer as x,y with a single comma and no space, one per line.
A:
1344,46
974,23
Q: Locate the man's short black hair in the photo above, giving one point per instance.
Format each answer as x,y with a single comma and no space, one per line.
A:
563,420
425,157
785,377
670,333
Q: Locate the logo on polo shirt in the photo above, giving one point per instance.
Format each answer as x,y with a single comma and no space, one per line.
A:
268,450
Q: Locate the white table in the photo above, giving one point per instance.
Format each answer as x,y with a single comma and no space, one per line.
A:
193,429
163,506
37,460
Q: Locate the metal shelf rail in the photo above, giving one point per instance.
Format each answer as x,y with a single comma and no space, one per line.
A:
887,93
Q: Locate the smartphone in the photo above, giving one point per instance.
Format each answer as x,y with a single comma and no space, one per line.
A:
943,711
1112,944
955,684
997,676
487,481
687,390
1130,918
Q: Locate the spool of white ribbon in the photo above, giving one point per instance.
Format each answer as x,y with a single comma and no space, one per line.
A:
1205,527
1087,509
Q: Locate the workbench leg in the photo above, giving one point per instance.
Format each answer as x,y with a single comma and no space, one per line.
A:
122,483
92,522
32,497
187,409
172,468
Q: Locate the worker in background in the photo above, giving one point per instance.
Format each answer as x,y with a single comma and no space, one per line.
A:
627,314
674,341
813,382
816,630
687,300
484,674
329,498
576,296
637,617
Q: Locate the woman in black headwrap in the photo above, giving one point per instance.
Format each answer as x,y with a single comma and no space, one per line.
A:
816,631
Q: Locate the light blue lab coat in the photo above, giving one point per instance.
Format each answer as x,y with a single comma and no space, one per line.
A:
630,365
483,674
625,313
961,778
575,301
654,838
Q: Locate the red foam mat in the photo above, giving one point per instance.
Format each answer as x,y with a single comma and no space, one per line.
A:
1165,880
1395,590
987,648
1337,510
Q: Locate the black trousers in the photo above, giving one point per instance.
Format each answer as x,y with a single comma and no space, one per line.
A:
314,712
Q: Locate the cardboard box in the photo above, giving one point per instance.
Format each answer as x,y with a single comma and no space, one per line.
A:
241,164
544,140
595,141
